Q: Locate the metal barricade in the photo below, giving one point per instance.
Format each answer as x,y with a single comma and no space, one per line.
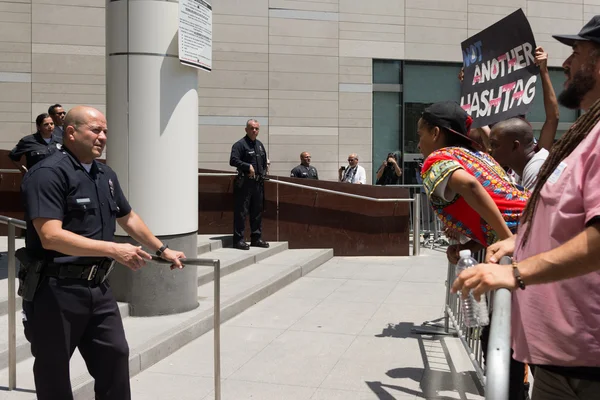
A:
12,223
493,371
429,225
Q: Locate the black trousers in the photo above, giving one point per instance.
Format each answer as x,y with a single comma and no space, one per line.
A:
65,314
248,195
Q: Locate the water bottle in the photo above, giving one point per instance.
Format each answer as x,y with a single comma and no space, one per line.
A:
474,313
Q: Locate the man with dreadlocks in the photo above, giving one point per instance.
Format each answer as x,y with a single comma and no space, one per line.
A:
555,322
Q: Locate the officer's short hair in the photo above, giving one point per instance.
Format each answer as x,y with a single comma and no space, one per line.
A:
52,109
251,120
72,120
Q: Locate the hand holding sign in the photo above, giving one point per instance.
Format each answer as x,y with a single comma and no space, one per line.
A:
541,58
500,71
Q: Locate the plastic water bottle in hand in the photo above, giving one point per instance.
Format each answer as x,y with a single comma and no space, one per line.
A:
475,313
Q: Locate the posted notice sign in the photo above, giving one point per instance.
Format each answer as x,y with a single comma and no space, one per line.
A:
195,34
500,71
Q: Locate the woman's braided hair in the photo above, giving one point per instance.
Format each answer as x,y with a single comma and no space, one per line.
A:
561,150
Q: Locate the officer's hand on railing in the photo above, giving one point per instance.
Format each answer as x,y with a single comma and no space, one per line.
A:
133,257
500,249
173,256
251,173
484,278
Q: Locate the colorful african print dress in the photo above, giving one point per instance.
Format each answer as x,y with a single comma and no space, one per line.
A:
455,213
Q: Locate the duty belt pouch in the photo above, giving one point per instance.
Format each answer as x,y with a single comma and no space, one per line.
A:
29,274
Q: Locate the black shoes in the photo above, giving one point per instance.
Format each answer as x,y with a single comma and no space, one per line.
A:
241,245
260,243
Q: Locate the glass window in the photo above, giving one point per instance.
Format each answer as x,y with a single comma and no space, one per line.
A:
537,115
387,111
387,71
423,85
387,117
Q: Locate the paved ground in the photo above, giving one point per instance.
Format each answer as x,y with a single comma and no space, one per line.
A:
342,332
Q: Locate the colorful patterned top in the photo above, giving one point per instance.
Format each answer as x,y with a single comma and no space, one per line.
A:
455,213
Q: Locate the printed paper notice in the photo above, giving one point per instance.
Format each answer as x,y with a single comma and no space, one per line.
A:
195,34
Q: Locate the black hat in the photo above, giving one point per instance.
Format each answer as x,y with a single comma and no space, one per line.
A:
590,32
449,115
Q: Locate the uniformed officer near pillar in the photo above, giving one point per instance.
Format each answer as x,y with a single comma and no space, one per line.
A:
249,156
72,205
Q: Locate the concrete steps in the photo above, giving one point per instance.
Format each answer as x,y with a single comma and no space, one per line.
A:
247,277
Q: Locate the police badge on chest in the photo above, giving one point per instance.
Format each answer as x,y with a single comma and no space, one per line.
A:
111,187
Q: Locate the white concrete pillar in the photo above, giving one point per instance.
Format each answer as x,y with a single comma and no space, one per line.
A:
152,112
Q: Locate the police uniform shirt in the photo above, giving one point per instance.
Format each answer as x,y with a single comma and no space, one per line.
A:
246,152
35,148
302,171
60,188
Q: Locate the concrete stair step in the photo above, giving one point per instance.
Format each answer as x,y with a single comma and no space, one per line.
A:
154,338
233,260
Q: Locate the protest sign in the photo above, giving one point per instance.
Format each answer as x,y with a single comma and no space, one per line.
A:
500,71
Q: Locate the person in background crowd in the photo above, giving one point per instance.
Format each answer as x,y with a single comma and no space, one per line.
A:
354,173
556,252
304,170
469,191
57,112
513,147
37,146
389,173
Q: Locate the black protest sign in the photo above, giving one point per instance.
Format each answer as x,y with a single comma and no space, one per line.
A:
500,71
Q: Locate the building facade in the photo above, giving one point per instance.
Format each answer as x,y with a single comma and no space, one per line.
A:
331,77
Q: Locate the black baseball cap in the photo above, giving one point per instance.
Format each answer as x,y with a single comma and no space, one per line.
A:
449,115
589,33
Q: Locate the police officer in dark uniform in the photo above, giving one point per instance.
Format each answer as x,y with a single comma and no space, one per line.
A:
38,146
249,156
304,170
72,205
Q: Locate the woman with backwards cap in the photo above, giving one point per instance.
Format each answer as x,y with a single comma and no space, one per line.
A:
471,193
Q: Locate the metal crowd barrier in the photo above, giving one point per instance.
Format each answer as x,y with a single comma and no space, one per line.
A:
12,301
12,336
493,371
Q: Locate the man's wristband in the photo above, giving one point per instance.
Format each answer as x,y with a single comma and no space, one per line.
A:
161,250
517,275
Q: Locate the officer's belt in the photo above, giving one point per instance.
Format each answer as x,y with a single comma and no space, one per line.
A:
89,272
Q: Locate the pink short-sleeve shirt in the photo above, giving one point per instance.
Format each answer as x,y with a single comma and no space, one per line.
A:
559,323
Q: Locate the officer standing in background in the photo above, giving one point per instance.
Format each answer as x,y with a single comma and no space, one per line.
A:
249,156
72,204
304,170
38,146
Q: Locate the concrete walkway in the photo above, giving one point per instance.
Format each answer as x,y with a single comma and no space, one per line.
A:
341,332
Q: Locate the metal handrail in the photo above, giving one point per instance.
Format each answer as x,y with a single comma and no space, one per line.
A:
216,264
9,171
12,335
416,200
498,354
356,196
12,301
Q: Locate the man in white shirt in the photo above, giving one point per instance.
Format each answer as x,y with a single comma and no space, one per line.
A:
513,146
353,173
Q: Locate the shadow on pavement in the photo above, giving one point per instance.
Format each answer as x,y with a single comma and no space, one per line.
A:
438,379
